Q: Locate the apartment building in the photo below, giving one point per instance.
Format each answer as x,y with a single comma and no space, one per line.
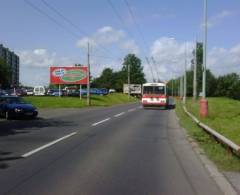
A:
12,60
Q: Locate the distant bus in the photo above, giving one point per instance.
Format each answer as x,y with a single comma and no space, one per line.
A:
154,94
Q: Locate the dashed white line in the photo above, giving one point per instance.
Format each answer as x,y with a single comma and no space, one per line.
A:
102,121
120,114
47,145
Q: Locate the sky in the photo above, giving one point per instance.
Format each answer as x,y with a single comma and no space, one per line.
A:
55,32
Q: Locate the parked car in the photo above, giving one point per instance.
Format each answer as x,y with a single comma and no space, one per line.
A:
112,91
39,90
3,92
29,91
104,91
55,92
96,91
16,107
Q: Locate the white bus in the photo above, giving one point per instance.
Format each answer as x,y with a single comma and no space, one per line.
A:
154,94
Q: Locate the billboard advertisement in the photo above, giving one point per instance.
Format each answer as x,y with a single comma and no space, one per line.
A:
68,75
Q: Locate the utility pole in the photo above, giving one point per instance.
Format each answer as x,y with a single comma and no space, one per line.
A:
129,90
181,86
88,82
195,75
203,101
185,78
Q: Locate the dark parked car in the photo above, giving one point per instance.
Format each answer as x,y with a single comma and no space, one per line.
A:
16,107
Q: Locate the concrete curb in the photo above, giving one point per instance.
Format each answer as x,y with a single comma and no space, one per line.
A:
223,184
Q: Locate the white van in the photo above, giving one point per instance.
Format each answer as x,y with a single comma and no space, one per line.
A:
39,90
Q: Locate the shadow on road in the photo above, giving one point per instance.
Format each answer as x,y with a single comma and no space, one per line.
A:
13,127
4,156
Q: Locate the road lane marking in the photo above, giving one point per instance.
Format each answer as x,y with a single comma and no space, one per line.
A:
120,114
132,109
47,145
102,121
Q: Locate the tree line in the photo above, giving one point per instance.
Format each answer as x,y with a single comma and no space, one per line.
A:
111,79
216,86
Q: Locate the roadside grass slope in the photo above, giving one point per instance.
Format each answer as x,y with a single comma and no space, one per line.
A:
75,102
224,116
214,150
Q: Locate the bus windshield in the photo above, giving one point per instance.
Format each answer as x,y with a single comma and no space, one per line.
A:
154,90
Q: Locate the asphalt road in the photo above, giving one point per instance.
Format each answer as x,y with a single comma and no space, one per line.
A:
117,150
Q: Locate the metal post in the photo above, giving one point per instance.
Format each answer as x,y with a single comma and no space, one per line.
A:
59,90
195,75
80,92
181,86
203,101
185,78
88,83
204,51
172,87
129,90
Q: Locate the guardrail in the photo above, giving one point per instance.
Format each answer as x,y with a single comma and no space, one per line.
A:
231,145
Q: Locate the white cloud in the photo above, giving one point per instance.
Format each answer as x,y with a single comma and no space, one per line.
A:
37,58
217,19
222,61
34,65
169,55
130,46
107,36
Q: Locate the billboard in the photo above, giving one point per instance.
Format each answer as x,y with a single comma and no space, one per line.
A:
68,75
134,88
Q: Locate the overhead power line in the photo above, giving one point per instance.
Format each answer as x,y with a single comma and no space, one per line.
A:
140,35
153,78
115,11
73,34
80,30
51,18
156,67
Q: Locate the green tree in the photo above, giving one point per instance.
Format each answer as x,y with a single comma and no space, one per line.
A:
106,80
210,78
5,74
136,70
228,86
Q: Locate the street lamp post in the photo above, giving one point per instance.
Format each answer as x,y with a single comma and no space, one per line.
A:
185,78
203,101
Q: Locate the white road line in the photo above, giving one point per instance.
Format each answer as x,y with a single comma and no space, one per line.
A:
131,110
120,114
47,145
102,121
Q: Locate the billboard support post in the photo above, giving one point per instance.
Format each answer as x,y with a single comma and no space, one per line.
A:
80,92
59,90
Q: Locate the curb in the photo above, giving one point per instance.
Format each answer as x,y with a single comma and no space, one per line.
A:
221,181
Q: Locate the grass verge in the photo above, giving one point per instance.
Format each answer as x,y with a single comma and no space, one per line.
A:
224,116
75,102
215,151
